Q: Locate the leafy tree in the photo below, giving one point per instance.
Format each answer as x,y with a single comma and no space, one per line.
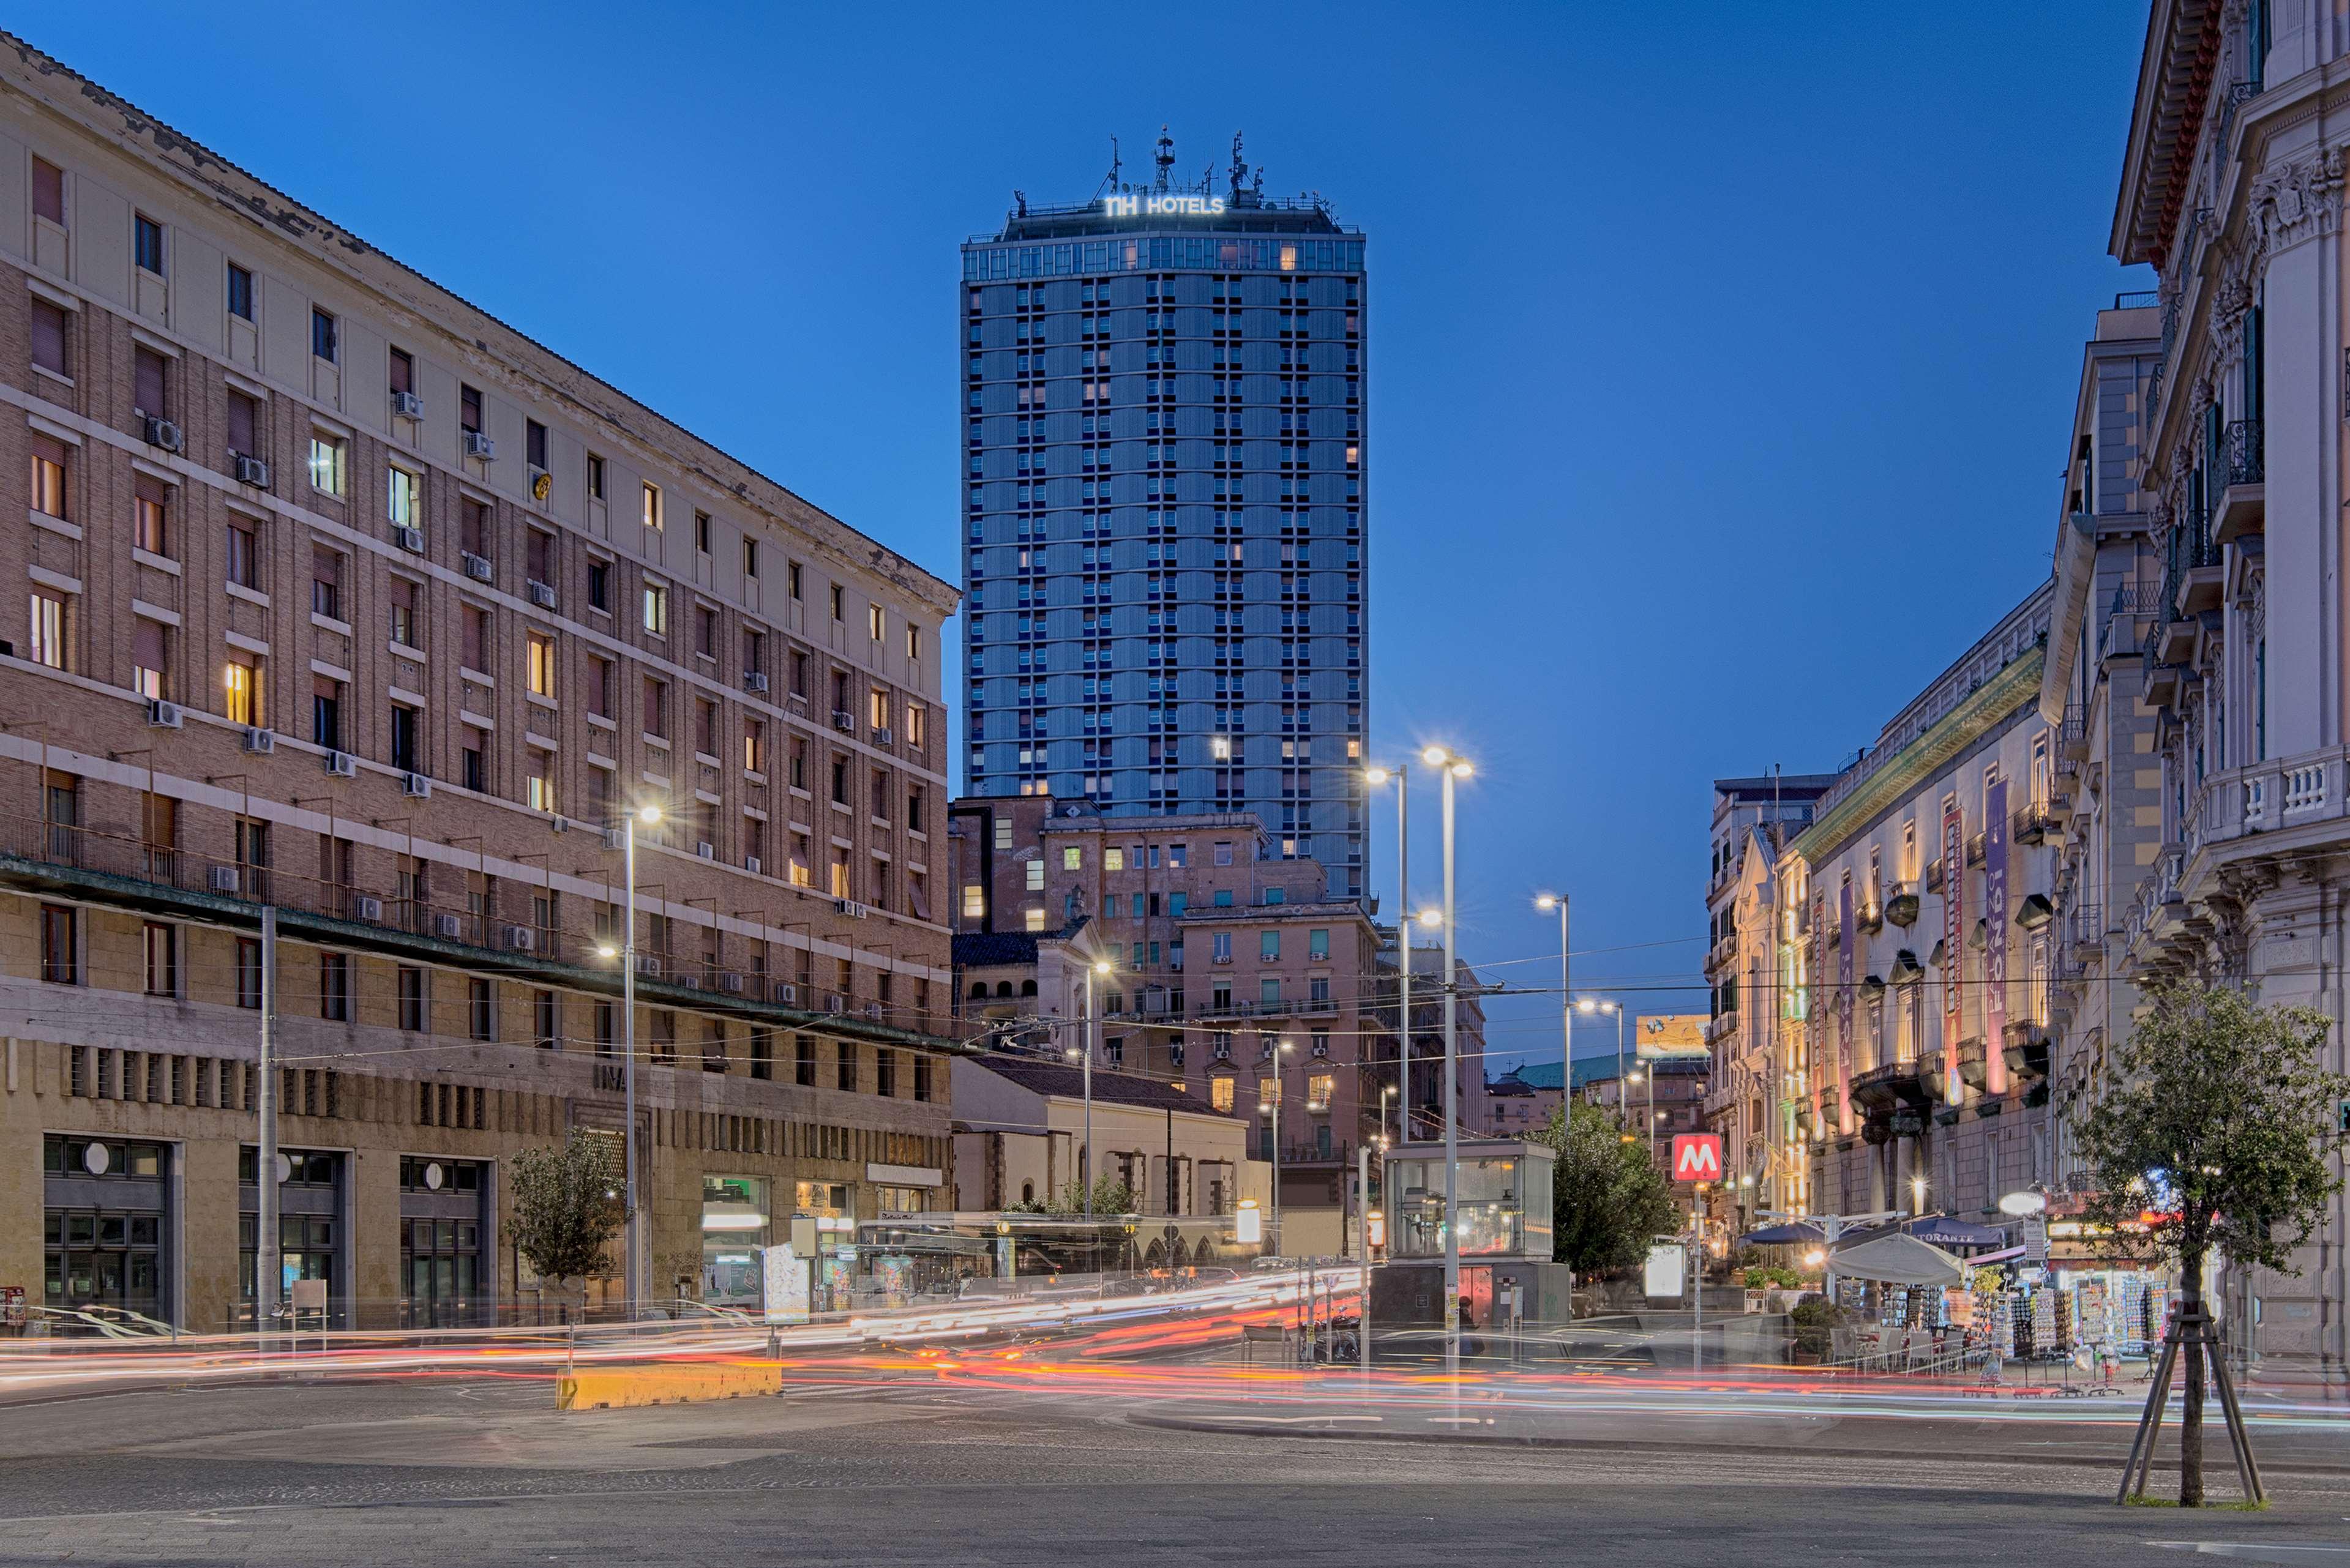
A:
1111,1196
563,1207
2217,1135
1609,1197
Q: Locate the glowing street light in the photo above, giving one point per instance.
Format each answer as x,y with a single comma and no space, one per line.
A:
1374,776
649,815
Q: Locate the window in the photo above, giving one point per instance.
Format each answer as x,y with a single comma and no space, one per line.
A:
327,711
1073,858
147,382
546,1020
324,338
407,756
1268,944
914,641
1317,943
652,511
473,769
750,560
974,901
334,987
469,408
1223,854
803,1061
480,1010
873,625
657,609
61,954
877,708
147,243
538,780
1223,946
47,637
1035,876
405,593
48,476
403,371
326,582
48,191
160,958
705,728
248,973
540,655
538,555
400,499
49,338
844,1066
705,631
792,579
241,686
1221,1093
918,724
412,999
240,292
534,444
329,457
594,477
147,664
838,602
599,586
656,696
702,533
755,745
149,516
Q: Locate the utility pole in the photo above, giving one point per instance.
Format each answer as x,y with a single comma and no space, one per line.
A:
266,1266
1363,1252
631,1207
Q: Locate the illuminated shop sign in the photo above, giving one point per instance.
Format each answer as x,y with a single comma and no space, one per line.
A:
1159,206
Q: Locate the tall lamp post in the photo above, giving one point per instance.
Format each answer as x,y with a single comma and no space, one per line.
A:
1453,769
1546,902
1086,1154
1402,774
649,815
1590,1005
1271,1109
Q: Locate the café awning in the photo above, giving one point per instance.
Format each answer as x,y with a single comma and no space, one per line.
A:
1793,1234
1898,1259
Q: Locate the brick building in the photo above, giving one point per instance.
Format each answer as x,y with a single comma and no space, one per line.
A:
342,596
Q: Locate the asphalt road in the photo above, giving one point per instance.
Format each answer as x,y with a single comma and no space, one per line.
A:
453,1472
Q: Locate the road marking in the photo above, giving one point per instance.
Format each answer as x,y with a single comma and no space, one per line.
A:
2257,1551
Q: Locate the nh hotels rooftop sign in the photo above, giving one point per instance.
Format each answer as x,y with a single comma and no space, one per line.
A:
1157,205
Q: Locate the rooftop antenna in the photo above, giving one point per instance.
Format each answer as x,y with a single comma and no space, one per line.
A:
1020,204
1166,156
1110,182
1240,164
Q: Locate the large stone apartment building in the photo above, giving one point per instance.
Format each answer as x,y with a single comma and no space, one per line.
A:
336,595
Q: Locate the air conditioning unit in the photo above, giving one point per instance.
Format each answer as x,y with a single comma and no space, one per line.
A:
447,928
163,432
751,864
755,680
408,405
252,471
163,715
873,1010
260,742
843,720
885,736
364,908
787,993
1224,1053
225,879
832,1002
480,445
611,836
416,785
521,938
543,594
728,980
707,850
342,764
410,539
649,963
561,824
476,567
852,908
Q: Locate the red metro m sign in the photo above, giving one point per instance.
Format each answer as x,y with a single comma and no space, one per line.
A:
1697,1156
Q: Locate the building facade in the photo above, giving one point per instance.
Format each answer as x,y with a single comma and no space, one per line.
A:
1914,950
2231,191
344,600
1165,556
1753,821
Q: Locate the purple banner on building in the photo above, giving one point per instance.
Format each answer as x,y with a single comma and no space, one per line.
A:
1814,1020
1954,944
1849,939
1994,1008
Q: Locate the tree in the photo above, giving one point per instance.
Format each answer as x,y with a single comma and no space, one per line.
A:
2214,1140
562,1207
1609,1199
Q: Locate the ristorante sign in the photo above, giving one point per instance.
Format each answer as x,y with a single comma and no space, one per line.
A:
1163,206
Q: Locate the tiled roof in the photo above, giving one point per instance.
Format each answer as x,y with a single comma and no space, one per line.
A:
1057,1078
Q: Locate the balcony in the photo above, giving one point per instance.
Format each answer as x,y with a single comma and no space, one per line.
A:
2269,797
1901,905
2032,823
2243,506
2072,733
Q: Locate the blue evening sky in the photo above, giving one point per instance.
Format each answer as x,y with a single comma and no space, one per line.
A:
1720,354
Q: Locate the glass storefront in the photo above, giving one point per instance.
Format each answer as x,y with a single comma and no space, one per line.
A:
443,1281
104,1231
734,1227
310,1240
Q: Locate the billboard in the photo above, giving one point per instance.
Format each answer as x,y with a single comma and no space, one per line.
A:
1671,1034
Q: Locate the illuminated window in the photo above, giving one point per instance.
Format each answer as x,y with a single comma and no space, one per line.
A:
1073,858
402,500
657,609
652,513
48,476
873,625
918,724
538,781
1036,918
148,517
330,458
541,662
1113,859
1220,1094
974,901
48,629
241,679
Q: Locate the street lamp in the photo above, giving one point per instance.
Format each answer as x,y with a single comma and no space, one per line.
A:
1270,1109
1546,902
1402,774
649,815
1917,1196
1453,769
1590,1005
1386,1096
1085,1158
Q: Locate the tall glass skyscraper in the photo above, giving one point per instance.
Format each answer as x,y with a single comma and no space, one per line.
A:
1165,467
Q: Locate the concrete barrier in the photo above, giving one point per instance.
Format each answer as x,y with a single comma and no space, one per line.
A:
663,1382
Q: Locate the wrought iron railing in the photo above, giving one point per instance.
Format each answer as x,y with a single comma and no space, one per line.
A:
2246,455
